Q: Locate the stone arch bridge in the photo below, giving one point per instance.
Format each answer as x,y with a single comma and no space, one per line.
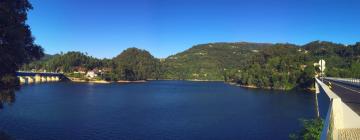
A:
39,77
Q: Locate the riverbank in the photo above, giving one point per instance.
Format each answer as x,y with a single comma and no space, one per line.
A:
246,86
90,81
127,81
311,90
77,80
198,80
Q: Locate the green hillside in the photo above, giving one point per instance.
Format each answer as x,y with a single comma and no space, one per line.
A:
276,66
208,61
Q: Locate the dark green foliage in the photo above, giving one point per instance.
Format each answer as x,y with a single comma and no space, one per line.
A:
110,77
131,64
276,66
253,64
311,129
209,61
16,42
67,62
135,64
306,79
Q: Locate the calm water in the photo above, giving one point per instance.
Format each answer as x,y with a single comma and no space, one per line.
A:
153,110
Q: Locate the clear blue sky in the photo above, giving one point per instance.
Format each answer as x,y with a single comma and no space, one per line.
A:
104,28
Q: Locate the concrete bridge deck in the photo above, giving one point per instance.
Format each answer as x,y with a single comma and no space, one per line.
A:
349,94
343,119
23,73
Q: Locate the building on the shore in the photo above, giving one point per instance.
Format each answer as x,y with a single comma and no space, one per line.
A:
91,74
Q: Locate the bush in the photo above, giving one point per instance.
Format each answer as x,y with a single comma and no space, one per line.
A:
311,129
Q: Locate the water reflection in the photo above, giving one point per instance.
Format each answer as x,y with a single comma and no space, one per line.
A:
152,110
5,136
7,96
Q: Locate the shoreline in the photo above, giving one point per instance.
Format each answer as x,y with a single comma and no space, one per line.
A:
310,90
197,80
79,80
248,86
86,81
127,81
106,82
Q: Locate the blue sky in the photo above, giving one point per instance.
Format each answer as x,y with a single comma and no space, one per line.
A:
104,28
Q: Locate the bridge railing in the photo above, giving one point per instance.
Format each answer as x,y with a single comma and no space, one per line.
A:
39,72
349,81
339,115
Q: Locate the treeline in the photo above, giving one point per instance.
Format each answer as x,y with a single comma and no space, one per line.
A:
275,66
67,62
132,64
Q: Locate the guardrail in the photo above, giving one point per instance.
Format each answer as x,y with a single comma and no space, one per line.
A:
350,81
328,131
339,115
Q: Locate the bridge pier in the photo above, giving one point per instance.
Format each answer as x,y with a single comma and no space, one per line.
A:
22,80
54,78
37,78
43,79
48,78
57,78
30,79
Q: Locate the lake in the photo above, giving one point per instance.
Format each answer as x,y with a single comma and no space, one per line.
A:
154,110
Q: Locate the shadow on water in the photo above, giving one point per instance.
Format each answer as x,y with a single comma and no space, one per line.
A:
7,96
5,136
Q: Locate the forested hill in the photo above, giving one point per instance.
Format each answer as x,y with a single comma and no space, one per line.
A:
208,61
277,66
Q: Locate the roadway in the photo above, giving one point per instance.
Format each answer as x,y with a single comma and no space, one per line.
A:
349,94
22,73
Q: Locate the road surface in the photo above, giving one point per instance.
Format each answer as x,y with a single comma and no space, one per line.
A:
349,94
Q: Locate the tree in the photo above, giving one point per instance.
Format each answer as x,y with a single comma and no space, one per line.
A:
311,129
307,77
16,42
355,70
135,64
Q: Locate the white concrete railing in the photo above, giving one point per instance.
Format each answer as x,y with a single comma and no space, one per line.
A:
350,81
339,116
